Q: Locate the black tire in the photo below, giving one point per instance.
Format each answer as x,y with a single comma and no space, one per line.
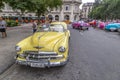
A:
87,28
73,27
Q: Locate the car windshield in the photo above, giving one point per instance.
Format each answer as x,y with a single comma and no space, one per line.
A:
51,27
80,21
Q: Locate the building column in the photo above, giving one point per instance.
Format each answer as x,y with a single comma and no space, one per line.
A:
72,14
61,16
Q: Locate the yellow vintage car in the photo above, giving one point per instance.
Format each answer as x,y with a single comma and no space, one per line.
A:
47,47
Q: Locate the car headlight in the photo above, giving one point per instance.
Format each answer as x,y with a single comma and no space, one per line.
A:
21,55
61,49
17,48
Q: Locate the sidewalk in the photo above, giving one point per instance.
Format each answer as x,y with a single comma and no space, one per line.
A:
7,45
19,27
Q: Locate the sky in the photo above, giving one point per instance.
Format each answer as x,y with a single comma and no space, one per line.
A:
85,1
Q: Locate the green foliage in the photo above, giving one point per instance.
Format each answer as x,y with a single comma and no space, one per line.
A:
43,6
40,7
1,4
11,23
107,9
21,5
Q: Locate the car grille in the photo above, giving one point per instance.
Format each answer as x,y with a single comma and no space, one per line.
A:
38,56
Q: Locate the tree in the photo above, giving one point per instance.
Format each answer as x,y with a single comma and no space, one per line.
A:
43,6
108,9
97,2
40,7
1,4
19,6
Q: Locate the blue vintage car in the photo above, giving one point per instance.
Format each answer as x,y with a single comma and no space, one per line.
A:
112,26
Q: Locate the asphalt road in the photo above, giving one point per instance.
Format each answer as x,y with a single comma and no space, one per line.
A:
94,55
7,45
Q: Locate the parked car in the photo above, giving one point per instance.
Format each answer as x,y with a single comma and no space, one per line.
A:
112,26
85,26
118,28
67,21
92,22
47,47
76,24
101,25
80,25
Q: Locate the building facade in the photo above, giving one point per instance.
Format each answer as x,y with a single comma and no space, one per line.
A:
70,11
86,8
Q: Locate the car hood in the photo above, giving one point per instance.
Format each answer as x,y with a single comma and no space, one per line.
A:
112,26
46,40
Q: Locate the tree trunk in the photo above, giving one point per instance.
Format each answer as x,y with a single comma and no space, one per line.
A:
39,14
20,17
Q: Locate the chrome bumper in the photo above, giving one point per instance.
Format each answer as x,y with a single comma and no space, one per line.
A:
113,29
42,65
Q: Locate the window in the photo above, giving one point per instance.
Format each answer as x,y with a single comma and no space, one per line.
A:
57,17
67,7
76,8
51,28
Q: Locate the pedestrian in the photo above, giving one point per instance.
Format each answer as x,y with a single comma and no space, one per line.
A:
47,22
94,24
3,27
35,24
81,25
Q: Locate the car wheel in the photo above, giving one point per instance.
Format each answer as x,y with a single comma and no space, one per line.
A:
112,30
118,30
73,27
87,28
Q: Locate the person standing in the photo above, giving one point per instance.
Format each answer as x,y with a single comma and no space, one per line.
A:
35,24
3,27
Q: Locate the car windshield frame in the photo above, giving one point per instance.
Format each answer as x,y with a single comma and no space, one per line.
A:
51,28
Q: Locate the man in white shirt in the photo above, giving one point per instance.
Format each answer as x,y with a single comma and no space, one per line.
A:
3,27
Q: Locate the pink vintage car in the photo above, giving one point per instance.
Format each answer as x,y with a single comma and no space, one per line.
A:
76,25
101,25
85,26
80,25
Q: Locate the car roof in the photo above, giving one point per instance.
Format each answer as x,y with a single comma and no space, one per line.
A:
61,23
114,24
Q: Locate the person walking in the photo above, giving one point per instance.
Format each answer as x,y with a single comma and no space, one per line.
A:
35,24
3,27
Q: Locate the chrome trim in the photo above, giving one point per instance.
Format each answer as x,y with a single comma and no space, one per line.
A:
47,53
47,64
38,52
38,56
57,56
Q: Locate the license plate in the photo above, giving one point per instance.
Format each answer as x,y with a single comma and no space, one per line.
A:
41,65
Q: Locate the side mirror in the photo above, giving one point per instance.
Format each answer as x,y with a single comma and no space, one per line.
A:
65,30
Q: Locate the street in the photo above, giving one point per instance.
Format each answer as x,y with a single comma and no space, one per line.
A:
94,55
7,45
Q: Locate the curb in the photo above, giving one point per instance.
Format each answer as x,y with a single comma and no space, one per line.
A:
18,27
7,67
